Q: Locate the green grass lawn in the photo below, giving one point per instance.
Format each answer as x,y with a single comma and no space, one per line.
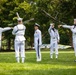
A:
64,65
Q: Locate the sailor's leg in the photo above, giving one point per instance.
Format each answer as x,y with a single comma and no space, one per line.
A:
0,44
17,51
74,45
37,52
51,50
22,49
56,49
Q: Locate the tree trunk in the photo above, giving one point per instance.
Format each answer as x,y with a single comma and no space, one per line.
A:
9,44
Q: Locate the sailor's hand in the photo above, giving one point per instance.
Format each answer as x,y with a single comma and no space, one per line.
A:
58,41
39,45
59,26
11,27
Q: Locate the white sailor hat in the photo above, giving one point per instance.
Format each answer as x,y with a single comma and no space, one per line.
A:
51,24
19,19
36,24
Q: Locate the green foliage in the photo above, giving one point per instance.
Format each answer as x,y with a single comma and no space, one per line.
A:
32,9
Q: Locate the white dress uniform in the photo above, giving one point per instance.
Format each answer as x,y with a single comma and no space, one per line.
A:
19,32
2,30
37,43
73,29
54,39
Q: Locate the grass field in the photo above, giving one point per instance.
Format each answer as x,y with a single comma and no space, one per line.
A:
64,65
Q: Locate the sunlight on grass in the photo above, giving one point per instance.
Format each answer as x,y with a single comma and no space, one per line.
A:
64,65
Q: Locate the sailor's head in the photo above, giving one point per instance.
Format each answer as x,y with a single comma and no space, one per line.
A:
36,26
19,20
75,21
52,25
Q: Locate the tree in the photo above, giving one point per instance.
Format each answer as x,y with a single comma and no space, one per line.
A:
32,9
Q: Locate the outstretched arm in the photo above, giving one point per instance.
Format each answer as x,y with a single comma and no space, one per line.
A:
14,30
6,28
65,26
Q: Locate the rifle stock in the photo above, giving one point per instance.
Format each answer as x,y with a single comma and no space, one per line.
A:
17,15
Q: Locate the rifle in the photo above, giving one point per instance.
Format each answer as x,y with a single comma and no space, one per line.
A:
55,19
26,20
17,15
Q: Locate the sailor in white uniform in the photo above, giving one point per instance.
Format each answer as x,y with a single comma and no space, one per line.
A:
54,40
73,29
3,30
37,41
19,32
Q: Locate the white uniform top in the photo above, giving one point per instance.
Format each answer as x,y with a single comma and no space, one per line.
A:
2,30
73,31
54,35
19,31
37,37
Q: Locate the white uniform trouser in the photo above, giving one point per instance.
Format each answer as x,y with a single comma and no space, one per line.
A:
20,46
54,45
0,44
74,45
38,52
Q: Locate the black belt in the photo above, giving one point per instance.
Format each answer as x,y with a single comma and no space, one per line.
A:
54,38
20,35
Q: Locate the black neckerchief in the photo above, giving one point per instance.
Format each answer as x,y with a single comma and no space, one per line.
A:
74,26
53,29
